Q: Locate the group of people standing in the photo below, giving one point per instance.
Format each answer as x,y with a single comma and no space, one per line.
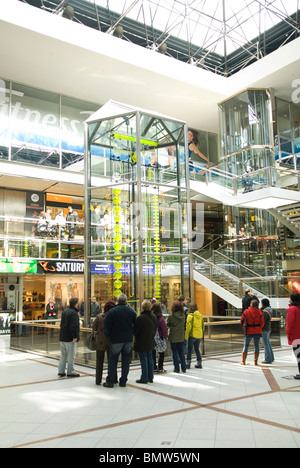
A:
257,324
119,330
56,227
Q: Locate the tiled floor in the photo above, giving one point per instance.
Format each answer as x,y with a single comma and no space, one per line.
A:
222,405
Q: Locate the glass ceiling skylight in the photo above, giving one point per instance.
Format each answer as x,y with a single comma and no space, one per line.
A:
220,26
221,36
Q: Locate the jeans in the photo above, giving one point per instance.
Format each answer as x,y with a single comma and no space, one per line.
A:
296,350
178,355
161,358
67,354
115,350
147,365
269,356
248,339
194,343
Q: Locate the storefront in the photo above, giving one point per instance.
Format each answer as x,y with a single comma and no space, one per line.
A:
56,279
11,284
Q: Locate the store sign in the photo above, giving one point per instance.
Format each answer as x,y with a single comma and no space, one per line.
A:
61,267
18,266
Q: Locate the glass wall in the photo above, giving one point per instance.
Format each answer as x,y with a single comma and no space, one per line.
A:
139,221
4,119
246,134
287,134
42,128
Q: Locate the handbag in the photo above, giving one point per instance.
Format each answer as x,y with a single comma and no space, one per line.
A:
245,324
90,341
160,343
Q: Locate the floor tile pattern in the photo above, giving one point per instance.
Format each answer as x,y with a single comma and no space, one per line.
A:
222,405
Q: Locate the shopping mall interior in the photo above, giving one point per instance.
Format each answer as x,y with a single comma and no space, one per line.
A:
150,148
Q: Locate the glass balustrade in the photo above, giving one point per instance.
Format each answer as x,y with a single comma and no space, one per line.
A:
221,335
251,181
228,276
37,238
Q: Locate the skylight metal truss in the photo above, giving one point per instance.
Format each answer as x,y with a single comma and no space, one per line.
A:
222,36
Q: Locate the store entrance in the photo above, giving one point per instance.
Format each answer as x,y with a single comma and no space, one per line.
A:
9,302
39,289
34,297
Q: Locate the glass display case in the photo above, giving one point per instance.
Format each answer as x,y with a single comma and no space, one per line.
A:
138,214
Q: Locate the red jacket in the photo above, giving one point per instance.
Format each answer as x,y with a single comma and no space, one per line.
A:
293,324
254,317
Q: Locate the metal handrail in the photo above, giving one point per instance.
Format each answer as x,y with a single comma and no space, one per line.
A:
240,281
253,173
207,245
237,263
218,268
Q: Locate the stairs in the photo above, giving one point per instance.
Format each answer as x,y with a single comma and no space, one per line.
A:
289,216
230,287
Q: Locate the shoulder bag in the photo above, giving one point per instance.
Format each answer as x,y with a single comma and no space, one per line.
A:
90,341
160,343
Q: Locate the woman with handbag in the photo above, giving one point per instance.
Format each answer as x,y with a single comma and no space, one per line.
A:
176,325
160,339
102,342
193,334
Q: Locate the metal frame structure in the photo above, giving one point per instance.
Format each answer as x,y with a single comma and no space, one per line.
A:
219,36
143,191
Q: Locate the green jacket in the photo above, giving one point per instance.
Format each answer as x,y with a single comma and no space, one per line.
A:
176,324
194,325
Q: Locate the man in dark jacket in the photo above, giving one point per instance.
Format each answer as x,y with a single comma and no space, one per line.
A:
144,331
246,301
118,327
68,337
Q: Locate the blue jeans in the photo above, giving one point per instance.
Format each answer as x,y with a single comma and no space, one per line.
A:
115,350
269,356
147,365
178,355
248,339
194,343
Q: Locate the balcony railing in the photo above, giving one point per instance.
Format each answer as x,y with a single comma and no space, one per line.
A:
25,237
238,279
255,180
